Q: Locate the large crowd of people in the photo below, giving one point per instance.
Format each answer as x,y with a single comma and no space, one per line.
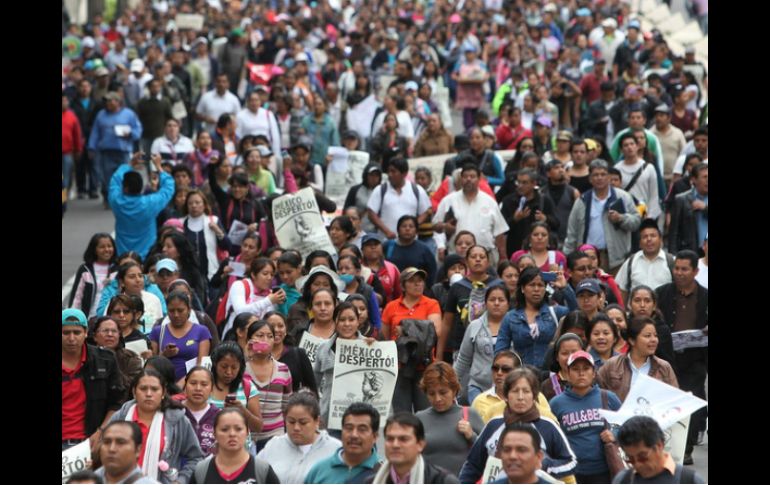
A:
556,252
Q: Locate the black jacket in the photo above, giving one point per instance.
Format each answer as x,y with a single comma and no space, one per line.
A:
85,116
519,230
103,384
683,230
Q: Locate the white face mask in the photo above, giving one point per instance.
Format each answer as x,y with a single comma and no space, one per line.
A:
455,278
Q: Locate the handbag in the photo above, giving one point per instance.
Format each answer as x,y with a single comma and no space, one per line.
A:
615,463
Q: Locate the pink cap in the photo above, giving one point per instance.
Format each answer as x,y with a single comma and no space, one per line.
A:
455,18
580,354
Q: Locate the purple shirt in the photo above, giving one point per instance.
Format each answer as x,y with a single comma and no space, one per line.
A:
187,345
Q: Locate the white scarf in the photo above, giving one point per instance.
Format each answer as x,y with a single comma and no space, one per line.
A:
416,474
152,447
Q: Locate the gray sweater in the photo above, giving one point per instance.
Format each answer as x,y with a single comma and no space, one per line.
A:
476,353
181,442
446,447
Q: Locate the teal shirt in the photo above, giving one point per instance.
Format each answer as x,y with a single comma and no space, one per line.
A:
292,296
334,470
324,135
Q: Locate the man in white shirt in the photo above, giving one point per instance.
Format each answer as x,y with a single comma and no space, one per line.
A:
172,146
639,177
136,83
650,266
401,198
476,212
256,120
217,102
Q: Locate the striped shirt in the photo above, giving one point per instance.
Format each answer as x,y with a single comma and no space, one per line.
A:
273,398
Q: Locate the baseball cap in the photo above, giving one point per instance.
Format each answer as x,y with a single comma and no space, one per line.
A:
137,65
545,121
564,135
371,237
411,271
662,108
301,57
610,23
469,48
264,151
411,86
101,71
300,284
372,169
583,12
88,42
303,142
112,96
74,313
589,284
689,50
591,144
580,354
634,24
166,263
550,7
392,36
487,130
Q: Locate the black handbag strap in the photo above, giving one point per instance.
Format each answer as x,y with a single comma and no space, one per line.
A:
635,178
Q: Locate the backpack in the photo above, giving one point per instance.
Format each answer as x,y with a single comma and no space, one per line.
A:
384,189
223,313
669,261
681,475
261,469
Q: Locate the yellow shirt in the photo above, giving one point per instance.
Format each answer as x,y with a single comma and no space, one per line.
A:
489,405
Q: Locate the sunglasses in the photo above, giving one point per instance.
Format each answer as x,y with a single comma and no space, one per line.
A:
504,368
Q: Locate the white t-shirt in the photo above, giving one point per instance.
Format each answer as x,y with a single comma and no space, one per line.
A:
213,105
703,274
481,216
395,205
646,186
261,123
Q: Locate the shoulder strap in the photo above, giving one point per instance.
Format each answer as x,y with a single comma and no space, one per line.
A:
555,322
160,338
383,190
247,289
246,385
465,413
627,476
416,197
635,178
628,275
670,261
391,247
202,468
134,477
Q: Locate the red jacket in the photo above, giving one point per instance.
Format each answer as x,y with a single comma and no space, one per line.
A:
71,136
508,138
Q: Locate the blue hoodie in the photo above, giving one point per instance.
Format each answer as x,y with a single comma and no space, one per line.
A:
579,418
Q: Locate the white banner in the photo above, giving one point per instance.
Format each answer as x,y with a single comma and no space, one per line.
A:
310,343
191,21
74,459
298,223
492,470
441,97
343,173
205,362
669,406
363,373
689,339
360,117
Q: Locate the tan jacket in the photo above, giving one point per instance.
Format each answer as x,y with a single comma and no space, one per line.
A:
438,144
615,374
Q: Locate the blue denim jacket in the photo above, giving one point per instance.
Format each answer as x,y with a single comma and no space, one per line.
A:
515,333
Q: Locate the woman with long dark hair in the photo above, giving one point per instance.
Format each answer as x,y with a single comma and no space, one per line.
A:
99,261
177,247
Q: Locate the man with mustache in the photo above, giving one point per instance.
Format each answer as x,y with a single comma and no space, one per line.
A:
357,460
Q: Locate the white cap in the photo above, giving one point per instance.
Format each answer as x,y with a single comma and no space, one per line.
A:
610,23
137,65
301,57
88,42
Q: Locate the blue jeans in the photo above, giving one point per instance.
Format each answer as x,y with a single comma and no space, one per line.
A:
473,393
107,162
67,162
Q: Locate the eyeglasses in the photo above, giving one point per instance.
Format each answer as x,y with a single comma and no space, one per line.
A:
504,368
109,331
120,311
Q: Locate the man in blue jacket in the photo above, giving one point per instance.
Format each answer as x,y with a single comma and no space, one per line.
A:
113,134
135,214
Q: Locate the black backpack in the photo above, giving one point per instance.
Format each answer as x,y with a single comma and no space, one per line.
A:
415,344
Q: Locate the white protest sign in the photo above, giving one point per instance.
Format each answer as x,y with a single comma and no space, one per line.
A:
310,343
74,459
238,231
205,362
361,115
239,269
137,346
339,161
669,406
364,373
441,97
689,339
191,21
384,83
338,183
492,469
298,223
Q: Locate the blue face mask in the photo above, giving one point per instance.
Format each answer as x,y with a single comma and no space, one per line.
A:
347,278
